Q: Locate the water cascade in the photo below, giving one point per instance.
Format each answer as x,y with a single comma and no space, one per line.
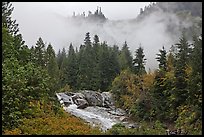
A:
94,107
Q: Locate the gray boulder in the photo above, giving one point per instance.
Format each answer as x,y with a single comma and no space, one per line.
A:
132,125
65,99
81,103
93,98
76,96
107,99
123,118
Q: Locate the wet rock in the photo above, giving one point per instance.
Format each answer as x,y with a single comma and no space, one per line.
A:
69,93
77,96
132,125
93,98
123,118
107,99
118,112
81,103
94,107
64,99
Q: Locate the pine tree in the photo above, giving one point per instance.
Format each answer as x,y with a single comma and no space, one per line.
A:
182,60
82,67
195,78
87,40
139,61
125,57
104,67
9,25
95,80
71,68
86,64
62,62
7,22
40,53
162,59
96,39
61,58
170,62
52,68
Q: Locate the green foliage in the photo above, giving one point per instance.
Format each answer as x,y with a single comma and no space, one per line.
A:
145,128
125,58
118,129
69,69
40,58
139,61
162,59
20,85
7,22
66,88
30,78
7,45
45,122
124,84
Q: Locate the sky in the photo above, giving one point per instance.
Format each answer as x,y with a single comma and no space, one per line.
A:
112,10
47,19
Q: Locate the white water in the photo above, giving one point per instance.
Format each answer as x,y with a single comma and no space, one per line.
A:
102,117
94,119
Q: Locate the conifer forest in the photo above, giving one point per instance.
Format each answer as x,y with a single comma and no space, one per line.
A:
37,79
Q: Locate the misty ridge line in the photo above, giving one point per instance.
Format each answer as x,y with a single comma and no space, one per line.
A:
151,32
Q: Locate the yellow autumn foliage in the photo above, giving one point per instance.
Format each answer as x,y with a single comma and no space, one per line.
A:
49,123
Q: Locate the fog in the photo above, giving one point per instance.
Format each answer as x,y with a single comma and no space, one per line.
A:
54,24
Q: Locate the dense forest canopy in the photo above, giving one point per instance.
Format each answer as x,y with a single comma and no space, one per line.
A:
170,96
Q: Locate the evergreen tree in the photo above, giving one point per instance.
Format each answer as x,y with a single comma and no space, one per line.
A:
104,67
40,53
96,39
195,78
61,58
62,62
8,50
23,82
95,80
139,61
160,96
87,40
85,63
162,59
22,52
180,83
7,22
82,67
170,62
71,68
114,66
125,57
52,68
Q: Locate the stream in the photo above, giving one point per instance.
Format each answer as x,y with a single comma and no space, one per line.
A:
95,115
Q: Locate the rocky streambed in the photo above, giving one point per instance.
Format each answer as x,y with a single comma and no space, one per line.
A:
94,107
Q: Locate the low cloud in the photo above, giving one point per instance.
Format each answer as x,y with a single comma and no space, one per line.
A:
152,32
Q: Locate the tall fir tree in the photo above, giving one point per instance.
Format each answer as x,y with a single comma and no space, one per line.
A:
71,68
7,21
162,59
52,68
125,57
139,61
182,61
40,53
